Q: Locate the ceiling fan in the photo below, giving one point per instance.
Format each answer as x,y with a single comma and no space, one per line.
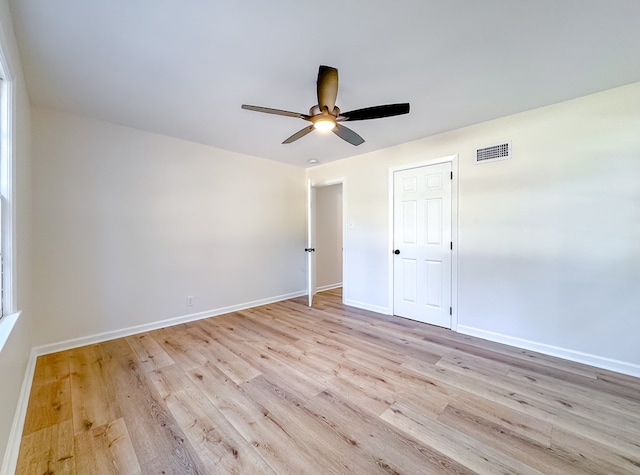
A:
326,116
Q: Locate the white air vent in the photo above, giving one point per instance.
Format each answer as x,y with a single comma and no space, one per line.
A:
493,153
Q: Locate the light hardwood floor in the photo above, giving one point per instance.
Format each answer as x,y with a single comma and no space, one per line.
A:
287,389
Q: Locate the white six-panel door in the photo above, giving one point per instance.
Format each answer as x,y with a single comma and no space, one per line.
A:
422,244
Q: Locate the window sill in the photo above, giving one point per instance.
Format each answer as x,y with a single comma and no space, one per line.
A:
6,326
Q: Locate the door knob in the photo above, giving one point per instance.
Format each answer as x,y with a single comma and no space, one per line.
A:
396,252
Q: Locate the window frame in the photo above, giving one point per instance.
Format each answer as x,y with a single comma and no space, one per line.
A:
10,312
7,180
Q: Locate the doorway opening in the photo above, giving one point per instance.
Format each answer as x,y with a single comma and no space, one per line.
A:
326,237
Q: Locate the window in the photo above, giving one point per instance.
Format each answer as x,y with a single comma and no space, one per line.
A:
9,315
6,300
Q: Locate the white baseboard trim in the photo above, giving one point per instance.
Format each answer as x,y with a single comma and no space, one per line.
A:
366,306
15,434
618,366
322,288
110,335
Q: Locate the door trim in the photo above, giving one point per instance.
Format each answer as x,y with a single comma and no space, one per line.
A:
454,231
339,181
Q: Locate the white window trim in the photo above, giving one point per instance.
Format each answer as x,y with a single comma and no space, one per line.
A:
7,180
6,326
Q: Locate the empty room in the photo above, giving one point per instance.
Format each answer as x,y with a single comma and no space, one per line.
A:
352,237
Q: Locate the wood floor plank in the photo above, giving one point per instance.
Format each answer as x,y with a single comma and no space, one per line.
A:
618,379
176,343
50,368
260,356
151,355
456,445
230,363
410,386
333,450
326,375
625,408
49,404
219,444
370,402
547,410
388,448
595,457
254,328
106,450
273,323
516,356
280,370
48,451
92,389
507,418
599,407
275,443
284,388
154,432
537,364
510,443
341,343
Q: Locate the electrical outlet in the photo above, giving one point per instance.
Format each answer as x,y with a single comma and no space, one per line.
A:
189,300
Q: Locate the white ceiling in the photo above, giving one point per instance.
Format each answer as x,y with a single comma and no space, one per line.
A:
183,67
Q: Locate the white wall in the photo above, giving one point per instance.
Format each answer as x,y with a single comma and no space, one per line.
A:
128,224
549,253
329,236
15,355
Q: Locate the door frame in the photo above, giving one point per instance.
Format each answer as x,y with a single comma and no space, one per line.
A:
337,181
454,230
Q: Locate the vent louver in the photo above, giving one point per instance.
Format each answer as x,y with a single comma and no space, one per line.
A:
493,153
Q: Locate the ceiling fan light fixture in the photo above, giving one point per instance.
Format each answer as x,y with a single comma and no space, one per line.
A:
325,116
324,124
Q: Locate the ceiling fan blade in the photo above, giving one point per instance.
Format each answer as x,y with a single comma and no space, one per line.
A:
348,135
299,134
377,112
268,110
327,87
